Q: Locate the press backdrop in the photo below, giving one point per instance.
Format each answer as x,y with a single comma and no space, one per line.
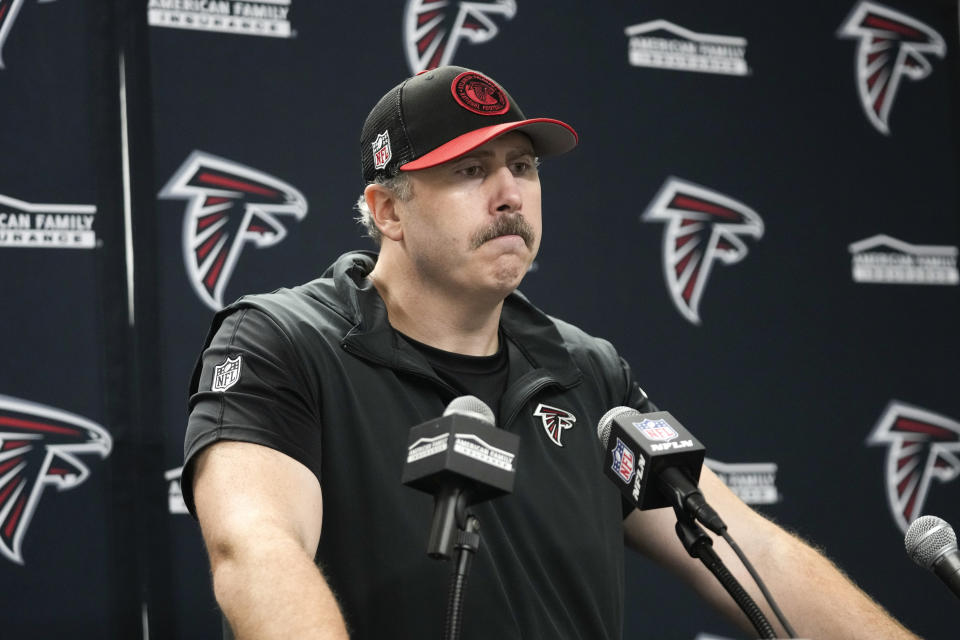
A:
761,215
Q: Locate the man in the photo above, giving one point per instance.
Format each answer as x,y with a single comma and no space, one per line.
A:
304,398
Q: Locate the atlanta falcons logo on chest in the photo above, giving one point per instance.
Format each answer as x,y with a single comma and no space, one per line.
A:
555,421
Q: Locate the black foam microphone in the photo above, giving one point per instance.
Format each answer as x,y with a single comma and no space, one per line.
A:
932,544
655,462
461,459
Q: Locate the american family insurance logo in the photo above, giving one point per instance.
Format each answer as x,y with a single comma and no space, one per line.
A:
175,503
46,226
269,18
753,482
664,45
885,260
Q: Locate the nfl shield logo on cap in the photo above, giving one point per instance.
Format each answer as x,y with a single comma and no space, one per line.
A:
381,150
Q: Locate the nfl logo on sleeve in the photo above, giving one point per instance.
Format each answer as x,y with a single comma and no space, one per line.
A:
381,151
225,375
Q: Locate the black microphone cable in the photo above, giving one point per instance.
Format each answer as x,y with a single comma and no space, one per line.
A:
693,503
756,578
686,496
700,545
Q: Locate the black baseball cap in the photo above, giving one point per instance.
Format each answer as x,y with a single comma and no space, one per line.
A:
441,114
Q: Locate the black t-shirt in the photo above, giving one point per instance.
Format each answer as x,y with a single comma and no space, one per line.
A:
482,376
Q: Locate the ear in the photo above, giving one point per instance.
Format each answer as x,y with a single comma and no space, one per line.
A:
382,204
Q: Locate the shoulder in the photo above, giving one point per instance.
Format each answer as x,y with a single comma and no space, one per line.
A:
330,303
312,311
596,358
583,347
581,344
555,340
314,302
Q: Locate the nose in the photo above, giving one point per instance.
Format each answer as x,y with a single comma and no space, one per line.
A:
507,198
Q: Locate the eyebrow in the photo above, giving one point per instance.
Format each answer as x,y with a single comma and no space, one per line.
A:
512,153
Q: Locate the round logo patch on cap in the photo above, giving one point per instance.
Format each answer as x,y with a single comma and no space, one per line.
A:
479,94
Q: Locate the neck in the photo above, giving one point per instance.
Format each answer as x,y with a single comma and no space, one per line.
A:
459,323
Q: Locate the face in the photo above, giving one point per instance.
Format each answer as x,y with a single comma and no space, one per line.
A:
473,224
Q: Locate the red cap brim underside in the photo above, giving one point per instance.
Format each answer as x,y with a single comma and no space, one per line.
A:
549,137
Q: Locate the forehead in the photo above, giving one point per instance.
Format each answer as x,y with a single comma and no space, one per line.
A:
509,146
512,141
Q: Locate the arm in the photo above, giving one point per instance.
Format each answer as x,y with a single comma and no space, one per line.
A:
260,512
814,595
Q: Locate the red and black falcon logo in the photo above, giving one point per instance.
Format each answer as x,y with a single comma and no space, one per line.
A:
434,28
892,45
702,226
8,14
922,445
229,205
555,421
39,446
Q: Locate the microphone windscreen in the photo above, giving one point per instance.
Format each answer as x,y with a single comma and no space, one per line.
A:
928,538
606,422
471,406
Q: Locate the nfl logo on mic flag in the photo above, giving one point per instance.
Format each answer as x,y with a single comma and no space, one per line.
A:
623,461
656,430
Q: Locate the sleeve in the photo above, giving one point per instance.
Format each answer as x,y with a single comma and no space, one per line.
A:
249,386
634,395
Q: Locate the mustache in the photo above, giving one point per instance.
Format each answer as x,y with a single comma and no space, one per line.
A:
506,225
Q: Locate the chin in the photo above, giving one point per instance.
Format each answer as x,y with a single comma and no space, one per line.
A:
508,277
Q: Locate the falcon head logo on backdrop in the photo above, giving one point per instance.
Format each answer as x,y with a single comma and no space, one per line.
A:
432,29
8,15
892,45
702,226
39,446
555,421
229,206
922,445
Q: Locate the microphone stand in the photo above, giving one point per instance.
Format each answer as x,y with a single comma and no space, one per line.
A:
699,545
468,541
450,516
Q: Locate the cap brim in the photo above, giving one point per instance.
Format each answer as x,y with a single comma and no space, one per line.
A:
549,137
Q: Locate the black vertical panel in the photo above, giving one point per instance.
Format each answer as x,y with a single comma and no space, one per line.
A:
150,528
124,568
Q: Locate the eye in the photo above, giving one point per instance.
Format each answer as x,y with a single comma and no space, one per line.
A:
471,171
521,167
